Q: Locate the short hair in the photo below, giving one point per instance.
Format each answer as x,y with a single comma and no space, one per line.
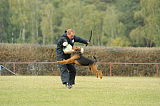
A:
69,31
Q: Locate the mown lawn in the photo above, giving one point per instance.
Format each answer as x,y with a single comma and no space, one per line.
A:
88,91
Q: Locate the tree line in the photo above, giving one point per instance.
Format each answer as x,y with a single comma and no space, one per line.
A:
114,22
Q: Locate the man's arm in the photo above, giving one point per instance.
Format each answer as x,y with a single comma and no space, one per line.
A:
80,40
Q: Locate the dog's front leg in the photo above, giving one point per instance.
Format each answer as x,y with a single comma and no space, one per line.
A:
69,61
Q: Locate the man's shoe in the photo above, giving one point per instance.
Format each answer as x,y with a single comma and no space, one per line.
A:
69,86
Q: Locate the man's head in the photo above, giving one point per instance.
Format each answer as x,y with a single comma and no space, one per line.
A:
70,33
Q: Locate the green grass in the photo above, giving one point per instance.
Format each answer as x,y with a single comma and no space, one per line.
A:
88,91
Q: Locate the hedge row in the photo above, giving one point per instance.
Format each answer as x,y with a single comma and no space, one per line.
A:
41,53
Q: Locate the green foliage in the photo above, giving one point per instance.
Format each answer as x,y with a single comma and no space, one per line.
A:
112,26
4,21
147,34
43,21
119,41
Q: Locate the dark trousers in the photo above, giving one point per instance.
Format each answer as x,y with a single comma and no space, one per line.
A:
68,73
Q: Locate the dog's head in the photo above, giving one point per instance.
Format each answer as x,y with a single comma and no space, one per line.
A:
78,49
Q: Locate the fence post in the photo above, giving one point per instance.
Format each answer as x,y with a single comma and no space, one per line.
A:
110,67
0,69
157,69
14,67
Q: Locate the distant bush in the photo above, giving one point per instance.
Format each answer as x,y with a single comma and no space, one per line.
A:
29,53
41,53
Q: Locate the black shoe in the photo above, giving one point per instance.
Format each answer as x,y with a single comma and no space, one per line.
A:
69,86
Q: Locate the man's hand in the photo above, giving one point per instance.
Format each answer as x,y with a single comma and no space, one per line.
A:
87,43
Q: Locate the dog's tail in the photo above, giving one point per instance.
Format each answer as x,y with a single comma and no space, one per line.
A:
95,58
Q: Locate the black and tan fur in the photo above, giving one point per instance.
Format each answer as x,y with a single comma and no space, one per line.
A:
78,59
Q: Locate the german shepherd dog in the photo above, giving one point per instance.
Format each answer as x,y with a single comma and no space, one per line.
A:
80,60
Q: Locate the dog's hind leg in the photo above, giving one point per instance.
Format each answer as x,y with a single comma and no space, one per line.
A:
100,74
93,69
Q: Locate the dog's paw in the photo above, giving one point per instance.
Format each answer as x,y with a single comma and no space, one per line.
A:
59,62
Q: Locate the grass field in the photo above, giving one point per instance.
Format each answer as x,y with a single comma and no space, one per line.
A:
88,91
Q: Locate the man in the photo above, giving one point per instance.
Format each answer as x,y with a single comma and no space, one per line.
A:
63,51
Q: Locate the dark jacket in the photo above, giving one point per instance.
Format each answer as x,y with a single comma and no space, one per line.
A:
59,50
